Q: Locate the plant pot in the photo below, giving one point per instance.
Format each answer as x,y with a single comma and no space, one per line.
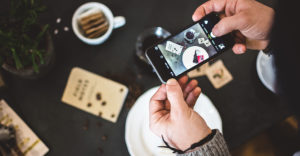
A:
28,72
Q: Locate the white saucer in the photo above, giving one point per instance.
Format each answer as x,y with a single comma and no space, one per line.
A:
141,141
266,70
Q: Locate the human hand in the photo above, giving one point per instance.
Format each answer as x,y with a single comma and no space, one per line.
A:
172,115
250,20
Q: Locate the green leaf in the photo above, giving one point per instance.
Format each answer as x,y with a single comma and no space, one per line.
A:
39,54
41,8
41,34
35,66
18,63
26,38
33,14
16,29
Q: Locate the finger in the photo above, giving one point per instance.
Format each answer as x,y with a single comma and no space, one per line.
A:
239,48
208,7
156,102
240,40
182,81
160,94
227,25
193,96
190,87
175,96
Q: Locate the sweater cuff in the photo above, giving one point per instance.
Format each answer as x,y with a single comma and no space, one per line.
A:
215,147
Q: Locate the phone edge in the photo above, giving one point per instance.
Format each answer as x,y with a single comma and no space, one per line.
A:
156,72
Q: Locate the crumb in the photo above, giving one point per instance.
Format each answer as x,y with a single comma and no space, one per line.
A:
55,31
139,76
66,28
104,138
103,103
86,125
58,20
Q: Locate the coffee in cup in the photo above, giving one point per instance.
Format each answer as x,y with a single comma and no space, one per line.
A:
190,36
101,23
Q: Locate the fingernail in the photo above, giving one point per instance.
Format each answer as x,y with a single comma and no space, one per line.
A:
197,91
194,17
214,35
241,50
216,31
172,82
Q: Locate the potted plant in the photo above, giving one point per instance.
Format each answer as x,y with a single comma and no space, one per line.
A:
26,47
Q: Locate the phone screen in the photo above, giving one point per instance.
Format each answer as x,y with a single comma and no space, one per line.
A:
192,46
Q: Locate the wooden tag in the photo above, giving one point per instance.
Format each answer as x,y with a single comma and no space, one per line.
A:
218,74
95,94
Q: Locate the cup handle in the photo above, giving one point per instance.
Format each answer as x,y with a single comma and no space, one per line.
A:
119,21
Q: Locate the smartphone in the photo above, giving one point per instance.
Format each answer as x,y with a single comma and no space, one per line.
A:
188,49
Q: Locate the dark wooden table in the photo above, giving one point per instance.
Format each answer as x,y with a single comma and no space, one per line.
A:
245,105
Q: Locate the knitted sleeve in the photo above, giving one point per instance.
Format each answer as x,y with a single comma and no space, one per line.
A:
214,147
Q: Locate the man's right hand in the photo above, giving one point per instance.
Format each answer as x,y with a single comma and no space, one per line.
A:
250,20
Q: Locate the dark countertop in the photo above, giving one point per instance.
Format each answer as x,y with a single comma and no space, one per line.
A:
245,105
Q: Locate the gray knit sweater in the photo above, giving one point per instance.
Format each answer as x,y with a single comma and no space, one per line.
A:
215,147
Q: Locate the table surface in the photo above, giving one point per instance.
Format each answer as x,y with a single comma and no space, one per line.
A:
245,105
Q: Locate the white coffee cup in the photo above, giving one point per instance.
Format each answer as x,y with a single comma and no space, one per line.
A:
114,22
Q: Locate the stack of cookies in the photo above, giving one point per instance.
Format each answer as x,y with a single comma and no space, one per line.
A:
93,23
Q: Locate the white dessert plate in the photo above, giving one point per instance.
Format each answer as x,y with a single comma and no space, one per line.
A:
141,141
266,70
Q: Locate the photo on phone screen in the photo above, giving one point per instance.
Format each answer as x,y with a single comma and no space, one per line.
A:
187,49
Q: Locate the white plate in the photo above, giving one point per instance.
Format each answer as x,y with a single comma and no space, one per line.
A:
188,56
266,70
141,141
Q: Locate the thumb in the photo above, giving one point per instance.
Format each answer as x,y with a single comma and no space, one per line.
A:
227,25
175,95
